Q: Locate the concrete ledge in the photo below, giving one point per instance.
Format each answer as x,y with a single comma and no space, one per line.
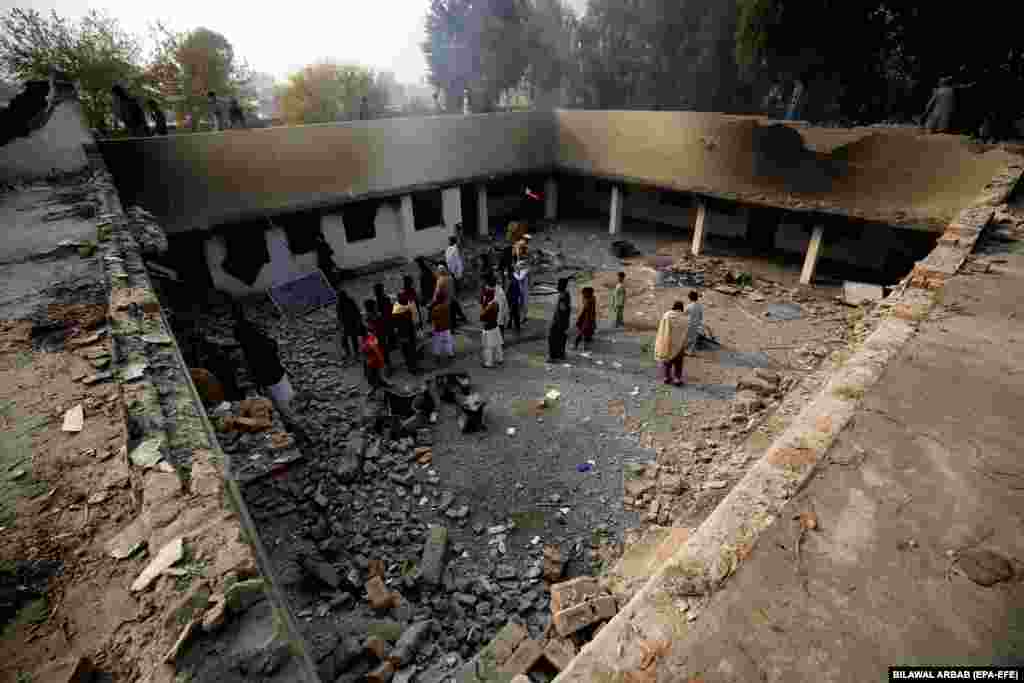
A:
161,403
675,594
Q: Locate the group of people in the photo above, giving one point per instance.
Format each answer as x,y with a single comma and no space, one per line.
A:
130,112
678,333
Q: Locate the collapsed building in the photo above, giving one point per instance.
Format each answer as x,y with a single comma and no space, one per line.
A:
244,212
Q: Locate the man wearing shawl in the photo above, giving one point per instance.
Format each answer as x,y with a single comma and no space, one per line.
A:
670,344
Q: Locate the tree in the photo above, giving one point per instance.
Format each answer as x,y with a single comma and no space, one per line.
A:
476,45
195,63
325,92
96,52
550,39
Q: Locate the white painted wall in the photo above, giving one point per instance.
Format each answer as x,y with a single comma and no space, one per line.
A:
435,239
284,266
386,245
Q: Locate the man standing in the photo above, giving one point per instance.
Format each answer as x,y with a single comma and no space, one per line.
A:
695,321
453,257
235,114
670,344
938,114
618,302
490,313
159,118
264,361
558,334
350,322
521,274
130,112
216,111
364,109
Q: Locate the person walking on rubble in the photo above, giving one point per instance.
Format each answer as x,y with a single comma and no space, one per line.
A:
264,361
350,323
586,321
386,331
404,316
369,344
938,113
491,340
670,344
694,322
514,297
558,334
618,301
409,290
521,273
376,326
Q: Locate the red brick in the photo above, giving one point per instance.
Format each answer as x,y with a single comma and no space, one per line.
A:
568,621
504,645
605,607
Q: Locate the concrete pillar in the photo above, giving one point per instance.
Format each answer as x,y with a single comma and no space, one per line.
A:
813,252
550,199
406,217
482,226
697,245
615,212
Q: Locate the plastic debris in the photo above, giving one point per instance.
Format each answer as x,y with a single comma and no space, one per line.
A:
584,467
635,392
511,431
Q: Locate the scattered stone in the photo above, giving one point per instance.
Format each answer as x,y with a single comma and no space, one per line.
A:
183,638
573,592
321,570
671,483
216,614
346,653
560,652
757,385
168,556
432,561
505,572
985,567
409,644
242,595
524,658
716,484
458,513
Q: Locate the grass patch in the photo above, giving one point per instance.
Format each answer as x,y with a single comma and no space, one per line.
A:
35,612
23,677
632,471
849,392
529,520
15,451
193,569
600,536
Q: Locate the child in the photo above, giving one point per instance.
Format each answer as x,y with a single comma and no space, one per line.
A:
618,302
695,324
491,340
371,348
586,322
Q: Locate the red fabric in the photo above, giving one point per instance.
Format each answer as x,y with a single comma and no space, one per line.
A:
378,327
371,347
486,296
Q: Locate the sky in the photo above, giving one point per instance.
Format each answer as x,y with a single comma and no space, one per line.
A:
383,34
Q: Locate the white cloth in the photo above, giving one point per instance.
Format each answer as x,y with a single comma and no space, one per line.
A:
503,314
443,344
492,350
454,260
522,276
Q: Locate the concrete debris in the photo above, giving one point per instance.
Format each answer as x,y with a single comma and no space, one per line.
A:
553,564
242,595
559,652
376,646
148,453
216,613
169,555
74,419
757,385
183,638
858,293
578,603
985,567
413,638
382,674
432,561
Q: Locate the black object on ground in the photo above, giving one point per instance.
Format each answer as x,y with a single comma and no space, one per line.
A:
783,312
624,249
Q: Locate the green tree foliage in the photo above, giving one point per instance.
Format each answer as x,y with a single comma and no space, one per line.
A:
479,45
328,91
95,51
193,63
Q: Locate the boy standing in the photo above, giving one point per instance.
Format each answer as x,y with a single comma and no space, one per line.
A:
618,302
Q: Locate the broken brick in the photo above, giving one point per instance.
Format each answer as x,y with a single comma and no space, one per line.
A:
504,645
559,652
379,596
573,592
432,562
570,620
553,565
524,658
605,607
376,568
